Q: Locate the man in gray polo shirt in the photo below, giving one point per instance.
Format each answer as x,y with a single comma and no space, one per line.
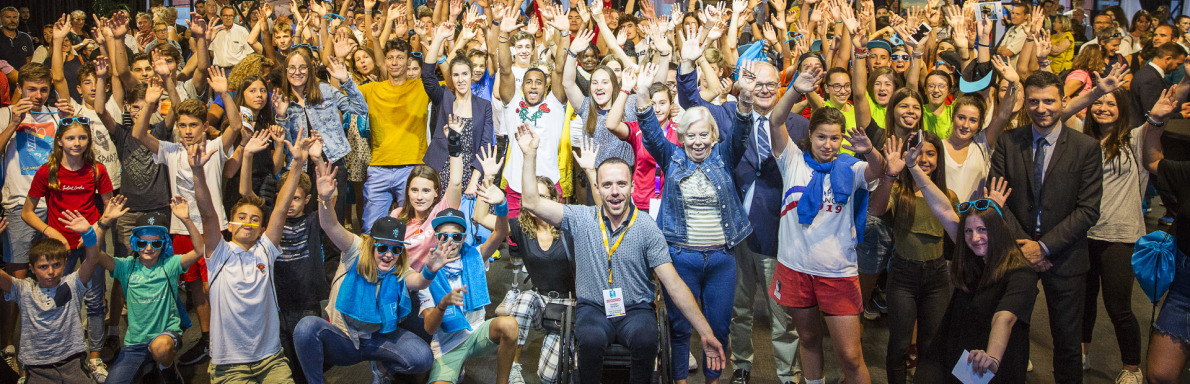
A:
616,246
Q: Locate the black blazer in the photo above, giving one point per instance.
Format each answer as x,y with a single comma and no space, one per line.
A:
443,106
1069,195
1146,89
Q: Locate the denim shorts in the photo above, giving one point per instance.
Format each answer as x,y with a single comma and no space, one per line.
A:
19,236
873,252
1174,319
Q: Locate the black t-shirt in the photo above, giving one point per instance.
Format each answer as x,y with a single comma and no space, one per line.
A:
968,323
1173,176
300,281
144,182
551,268
16,49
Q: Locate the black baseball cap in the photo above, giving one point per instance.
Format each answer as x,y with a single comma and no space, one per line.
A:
450,215
390,229
154,221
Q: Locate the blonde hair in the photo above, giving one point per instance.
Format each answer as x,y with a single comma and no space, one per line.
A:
369,268
254,64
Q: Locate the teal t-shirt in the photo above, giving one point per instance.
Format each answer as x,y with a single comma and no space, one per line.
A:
152,307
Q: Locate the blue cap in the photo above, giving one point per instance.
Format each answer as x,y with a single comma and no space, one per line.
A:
880,44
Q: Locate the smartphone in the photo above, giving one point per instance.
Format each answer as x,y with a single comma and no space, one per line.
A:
915,140
922,31
989,11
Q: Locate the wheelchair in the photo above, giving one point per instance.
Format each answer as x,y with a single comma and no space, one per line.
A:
617,360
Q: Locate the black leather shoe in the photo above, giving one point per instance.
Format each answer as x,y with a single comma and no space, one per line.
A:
740,376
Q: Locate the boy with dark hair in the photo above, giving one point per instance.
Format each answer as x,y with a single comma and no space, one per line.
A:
30,126
191,128
52,348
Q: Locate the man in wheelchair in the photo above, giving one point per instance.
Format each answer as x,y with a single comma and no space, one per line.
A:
616,246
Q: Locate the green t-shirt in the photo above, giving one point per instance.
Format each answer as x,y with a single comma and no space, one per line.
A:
150,294
849,116
923,241
940,124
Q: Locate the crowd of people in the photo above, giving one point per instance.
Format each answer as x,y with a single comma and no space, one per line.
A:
352,169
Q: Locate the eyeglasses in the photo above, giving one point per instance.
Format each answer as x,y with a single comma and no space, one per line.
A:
837,87
301,69
396,249
979,205
141,244
904,57
455,237
75,119
769,85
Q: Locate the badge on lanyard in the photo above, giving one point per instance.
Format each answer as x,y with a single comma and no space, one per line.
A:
613,302
613,299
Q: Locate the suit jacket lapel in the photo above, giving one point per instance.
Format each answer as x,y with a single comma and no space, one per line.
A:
1059,149
1025,140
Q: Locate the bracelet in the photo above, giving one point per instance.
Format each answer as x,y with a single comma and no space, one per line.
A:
1044,63
995,360
626,92
368,12
860,56
866,153
917,55
571,53
501,210
503,39
1154,123
426,274
860,51
89,238
665,55
442,60
565,33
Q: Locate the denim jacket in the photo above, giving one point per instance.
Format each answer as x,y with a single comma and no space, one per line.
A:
324,117
717,167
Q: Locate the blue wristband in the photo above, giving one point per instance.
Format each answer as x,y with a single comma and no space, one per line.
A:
501,210
89,238
426,274
442,60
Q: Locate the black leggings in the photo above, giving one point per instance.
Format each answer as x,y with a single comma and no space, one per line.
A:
1111,266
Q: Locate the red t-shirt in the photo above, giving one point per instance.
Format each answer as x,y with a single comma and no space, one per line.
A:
77,192
646,182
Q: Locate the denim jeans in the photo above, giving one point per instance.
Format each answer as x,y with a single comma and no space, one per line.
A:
134,360
383,186
710,275
918,293
318,341
92,300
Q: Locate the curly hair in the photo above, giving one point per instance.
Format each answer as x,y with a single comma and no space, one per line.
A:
253,65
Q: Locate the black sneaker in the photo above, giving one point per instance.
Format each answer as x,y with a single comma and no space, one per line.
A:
170,375
195,354
740,376
111,349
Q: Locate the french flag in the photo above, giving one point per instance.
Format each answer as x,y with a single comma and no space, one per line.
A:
791,205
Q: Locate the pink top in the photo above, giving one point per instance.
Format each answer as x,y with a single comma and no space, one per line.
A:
420,236
646,183
1083,76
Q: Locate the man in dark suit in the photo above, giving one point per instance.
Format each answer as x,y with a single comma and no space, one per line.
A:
1056,175
758,184
1149,80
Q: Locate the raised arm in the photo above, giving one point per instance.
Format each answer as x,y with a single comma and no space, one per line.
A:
606,34
219,85
76,222
199,30
579,44
140,129
1103,86
259,141
859,71
491,195
57,57
548,210
105,117
504,53
1003,111
454,140
1153,152
197,156
327,193
555,16
300,151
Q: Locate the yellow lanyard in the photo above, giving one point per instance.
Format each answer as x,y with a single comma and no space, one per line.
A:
612,248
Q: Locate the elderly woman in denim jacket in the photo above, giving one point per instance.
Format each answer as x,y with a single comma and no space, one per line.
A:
304,103
700,214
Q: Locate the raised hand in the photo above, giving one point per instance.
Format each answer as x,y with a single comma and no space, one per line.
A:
327,183
198,26
217,79
119,25
489,162
337,69
596,8
114,209
61,28
101,66
197,156
75,221
154,90
629,75
998,191
807,81
770,34
490,193
1166,104
527,139
1113,80
342,46
444,31
508,20
317,8
692,48
180,208
583,12
860,144
892,152
1007,72
645,79
280,103
585,157
315,151
1043,45
65,108
259,141
581,41
454,124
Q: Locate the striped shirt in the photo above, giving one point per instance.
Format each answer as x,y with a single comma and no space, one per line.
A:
704,224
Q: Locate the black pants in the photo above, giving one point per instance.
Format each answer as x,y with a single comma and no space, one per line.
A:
1111,266
289,320
594,332
918,293
1064,298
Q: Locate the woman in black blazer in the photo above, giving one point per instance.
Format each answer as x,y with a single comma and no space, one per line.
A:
475,112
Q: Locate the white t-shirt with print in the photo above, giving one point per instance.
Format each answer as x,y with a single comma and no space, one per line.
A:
548,127
181,177
101,142
28,149
825,247
245,326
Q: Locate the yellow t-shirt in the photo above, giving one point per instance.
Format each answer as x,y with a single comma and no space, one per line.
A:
397,115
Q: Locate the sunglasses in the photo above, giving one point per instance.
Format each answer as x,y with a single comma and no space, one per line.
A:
455,237
142,244
904,57
979,205
416,54
385,248
73,119
307,45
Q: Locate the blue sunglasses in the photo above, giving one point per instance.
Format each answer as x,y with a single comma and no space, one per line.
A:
979,205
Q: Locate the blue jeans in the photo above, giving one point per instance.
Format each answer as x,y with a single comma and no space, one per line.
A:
383,186
135,359
317,341
1174,318
710,274
93,300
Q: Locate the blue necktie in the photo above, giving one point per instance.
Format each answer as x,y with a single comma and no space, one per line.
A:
1038,178
765,149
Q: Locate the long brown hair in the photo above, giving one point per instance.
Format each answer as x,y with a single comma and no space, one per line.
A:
906,195
425,172
890,117
593,109
1090,59
313,94
1119,133
55,161
527,220
968,271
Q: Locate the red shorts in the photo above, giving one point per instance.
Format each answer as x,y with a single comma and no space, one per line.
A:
183,245
837,296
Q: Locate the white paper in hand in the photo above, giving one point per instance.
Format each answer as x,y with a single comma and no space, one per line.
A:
965,372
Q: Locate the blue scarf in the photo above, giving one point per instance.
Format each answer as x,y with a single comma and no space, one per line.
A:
474,276
842,180
362,301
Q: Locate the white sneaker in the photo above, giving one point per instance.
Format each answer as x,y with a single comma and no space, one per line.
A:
10,358
1030,369
1129,377
506,305
514,374
693,362
98,370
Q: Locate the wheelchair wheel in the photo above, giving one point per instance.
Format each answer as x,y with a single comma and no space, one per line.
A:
664,373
